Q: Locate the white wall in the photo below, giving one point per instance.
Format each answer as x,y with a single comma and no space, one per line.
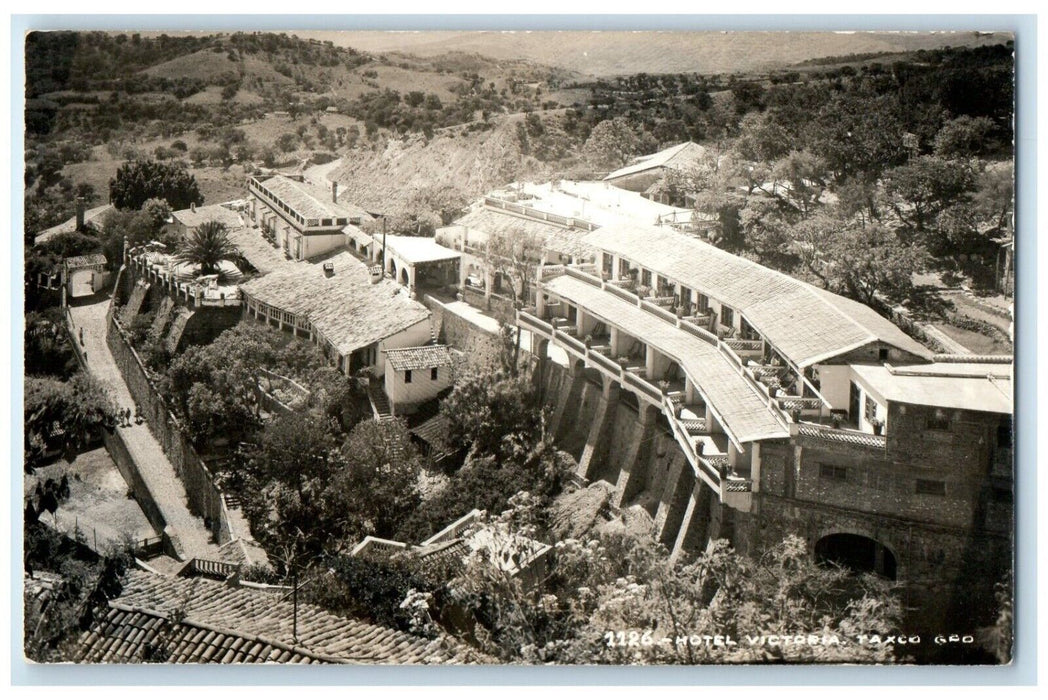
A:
834,381
412,336
422,387
315,245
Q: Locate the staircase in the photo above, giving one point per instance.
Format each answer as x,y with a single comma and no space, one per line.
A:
379,402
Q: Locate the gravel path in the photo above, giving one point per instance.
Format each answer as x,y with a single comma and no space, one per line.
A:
157,472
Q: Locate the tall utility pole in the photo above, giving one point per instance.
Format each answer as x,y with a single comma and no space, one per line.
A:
383,245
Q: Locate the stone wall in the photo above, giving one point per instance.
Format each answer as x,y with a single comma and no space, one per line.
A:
949,573
204,497
498,306
481,347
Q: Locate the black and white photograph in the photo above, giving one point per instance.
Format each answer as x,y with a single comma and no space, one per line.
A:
502,348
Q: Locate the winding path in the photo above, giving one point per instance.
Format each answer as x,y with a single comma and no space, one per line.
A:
192,537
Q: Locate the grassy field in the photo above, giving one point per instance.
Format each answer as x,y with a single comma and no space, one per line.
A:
978,343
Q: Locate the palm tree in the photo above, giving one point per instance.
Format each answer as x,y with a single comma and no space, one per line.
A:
208,245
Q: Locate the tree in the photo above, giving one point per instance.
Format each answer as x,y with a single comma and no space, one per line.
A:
921,190
611,143
47,349
80,407
376,487
867,262
486,411
515,256
142,179
964,137
208,245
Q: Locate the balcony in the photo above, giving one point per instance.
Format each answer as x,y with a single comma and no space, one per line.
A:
839,436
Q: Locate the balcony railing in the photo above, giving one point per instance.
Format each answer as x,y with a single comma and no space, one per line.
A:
840,436
741,345
634,380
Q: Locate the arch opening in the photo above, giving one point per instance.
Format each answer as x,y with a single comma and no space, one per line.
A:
856,553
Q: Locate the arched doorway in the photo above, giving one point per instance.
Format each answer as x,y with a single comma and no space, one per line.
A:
404,277
858,553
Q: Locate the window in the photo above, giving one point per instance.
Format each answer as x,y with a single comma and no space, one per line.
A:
727,316
702,302
434,374
606,262
939,420
407,376
645,278
882,354
928,487
870,409
833,472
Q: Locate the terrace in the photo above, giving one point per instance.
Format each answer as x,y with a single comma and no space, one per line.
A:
714,401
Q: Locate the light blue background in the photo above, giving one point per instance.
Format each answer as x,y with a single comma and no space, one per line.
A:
1023,669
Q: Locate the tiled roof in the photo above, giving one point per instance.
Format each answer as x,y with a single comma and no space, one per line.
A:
128,636
79,261
745,415
433,431
213,212
345,307
257,250
91,217
311,201
804,323
681,155
423,357
221,623
418,249
557,238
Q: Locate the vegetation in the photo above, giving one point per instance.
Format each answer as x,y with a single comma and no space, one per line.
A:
140,180
63,416
208,246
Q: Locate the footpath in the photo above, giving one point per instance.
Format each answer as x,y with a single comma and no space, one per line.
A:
156,470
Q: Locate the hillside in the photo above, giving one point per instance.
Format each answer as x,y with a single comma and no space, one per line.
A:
385,180
603,54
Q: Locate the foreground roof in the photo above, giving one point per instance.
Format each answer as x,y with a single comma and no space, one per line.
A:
804,323
968,386
745,415
345,307
422,357
679,156
187,620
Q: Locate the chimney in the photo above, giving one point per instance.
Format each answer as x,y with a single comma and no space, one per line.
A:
80,213
334,192
192,206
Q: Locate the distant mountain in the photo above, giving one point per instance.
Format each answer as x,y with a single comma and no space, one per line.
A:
618,53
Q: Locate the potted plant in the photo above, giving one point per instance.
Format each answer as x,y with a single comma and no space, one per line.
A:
878,425
588,341
623,361
836,418
604,276
665,386
795,415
